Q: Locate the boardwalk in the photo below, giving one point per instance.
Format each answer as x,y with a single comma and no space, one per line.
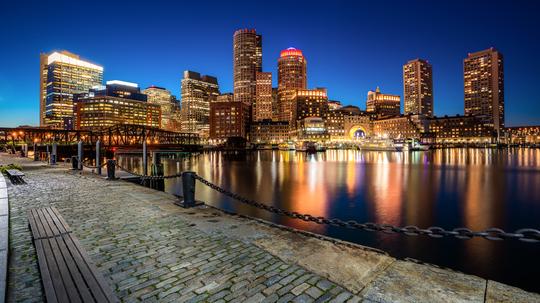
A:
151,250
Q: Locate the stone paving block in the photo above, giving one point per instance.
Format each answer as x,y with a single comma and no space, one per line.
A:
406,281
300,289
501,293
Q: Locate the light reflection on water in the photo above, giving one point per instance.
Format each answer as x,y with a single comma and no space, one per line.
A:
473,188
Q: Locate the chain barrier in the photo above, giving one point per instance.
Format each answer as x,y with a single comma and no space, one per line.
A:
494,234
92,167
144,177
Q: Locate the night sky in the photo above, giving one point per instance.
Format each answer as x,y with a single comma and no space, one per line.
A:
351,46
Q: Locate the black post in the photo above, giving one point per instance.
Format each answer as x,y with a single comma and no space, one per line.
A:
36,153
188,190
74,163
111,169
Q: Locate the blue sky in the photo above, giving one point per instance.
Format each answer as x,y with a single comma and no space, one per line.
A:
351,46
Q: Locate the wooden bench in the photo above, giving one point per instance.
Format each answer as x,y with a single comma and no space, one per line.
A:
15,176
67,272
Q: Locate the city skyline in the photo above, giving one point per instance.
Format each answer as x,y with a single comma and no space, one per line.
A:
448,97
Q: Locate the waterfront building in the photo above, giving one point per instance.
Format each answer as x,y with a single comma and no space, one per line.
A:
118,102
383,105
168,104
269,132
292,75
523,134
400,127
312,129
418,88
307,103
262,108
247,61
334,104
335,121
275,105
461,129
358,126
198,91
483,78
62,75
228,118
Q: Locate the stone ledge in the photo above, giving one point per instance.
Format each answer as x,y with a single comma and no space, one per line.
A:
4,236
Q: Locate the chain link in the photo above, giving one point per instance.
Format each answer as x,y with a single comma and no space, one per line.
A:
495,234
92,167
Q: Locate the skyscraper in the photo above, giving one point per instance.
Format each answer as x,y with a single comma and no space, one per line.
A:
197,93
63,74
483,79
247,61
418,87
262,108
292,68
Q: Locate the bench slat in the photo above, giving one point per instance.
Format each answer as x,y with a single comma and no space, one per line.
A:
55,251
46,275
67,271
86,271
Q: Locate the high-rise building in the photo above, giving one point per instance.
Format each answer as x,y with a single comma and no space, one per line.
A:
383,105
292,75
197,93
483,78
118,102
63,74
247,61
228,118
262,108
292,66
167,103
418,87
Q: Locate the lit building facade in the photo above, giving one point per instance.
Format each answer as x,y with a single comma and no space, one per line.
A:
483,78
116,103
228,118
247,61
262,108
309,103
400,127
169,106
334,104
197,93
383,105
312,129
335,121
461,129
418,88
62,75
523,134
269,132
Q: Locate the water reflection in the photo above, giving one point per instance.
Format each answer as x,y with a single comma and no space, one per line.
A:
474,188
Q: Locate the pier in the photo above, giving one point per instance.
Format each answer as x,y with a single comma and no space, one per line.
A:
149,249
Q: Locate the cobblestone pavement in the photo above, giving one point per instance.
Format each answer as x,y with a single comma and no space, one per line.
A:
154,251
149,254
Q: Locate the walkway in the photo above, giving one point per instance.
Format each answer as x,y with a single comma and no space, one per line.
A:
151,250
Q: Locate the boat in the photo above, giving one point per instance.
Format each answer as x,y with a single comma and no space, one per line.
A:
379,144
311,147
287,146
414,145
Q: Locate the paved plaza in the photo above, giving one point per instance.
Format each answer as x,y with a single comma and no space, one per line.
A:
154,251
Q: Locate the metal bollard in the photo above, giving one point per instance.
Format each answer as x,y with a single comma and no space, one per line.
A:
111,169
74,163
98,162
188,189
80,154
53,154
36,153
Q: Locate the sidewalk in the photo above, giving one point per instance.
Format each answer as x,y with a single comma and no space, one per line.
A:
151,250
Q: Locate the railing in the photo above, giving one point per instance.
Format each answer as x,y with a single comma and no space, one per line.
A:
189,179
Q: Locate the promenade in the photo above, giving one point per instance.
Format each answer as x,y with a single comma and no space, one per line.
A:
154,251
